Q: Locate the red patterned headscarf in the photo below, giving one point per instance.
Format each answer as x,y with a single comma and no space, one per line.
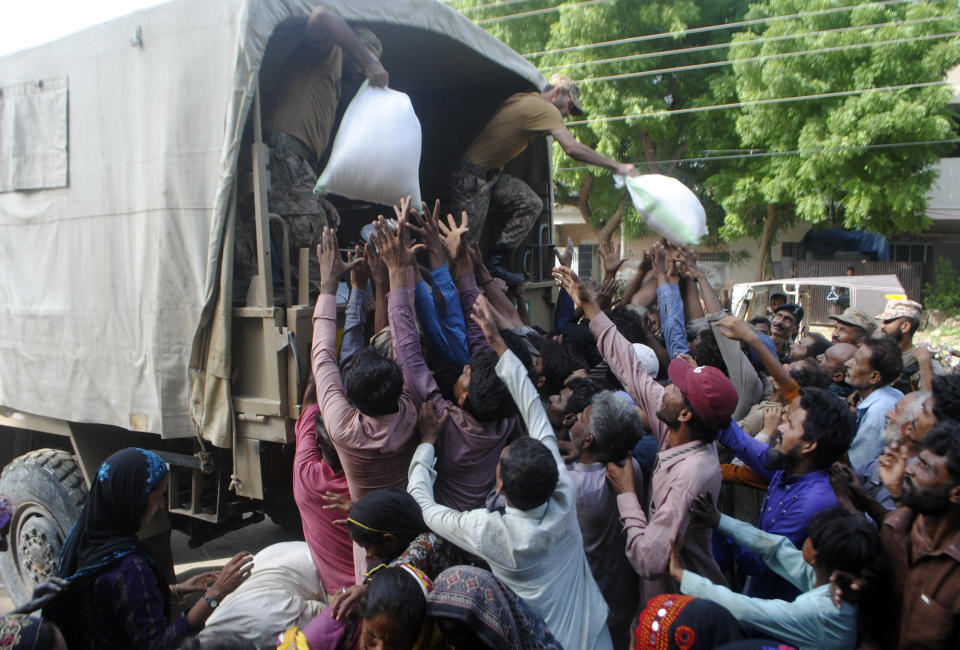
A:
678,622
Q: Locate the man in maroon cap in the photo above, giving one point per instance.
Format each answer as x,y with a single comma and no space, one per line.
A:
689,412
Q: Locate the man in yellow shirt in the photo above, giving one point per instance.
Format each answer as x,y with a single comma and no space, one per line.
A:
478,180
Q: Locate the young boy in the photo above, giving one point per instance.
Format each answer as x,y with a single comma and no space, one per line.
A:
837,540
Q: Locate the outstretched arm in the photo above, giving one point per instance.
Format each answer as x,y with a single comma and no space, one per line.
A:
583,153
324,25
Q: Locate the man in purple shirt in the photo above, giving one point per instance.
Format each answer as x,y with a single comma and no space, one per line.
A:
475,429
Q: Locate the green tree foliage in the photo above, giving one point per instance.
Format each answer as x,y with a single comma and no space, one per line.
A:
881,189
944,292
840,176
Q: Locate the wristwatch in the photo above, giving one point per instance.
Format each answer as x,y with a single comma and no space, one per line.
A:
213,602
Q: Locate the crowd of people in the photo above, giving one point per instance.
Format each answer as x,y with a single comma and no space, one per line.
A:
651,473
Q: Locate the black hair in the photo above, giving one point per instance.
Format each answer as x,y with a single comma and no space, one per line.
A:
944,440
579,340
809,374
446,373
487,397
616,427
630,324
519,346
209,641
946,397
395,592
914,324
558,364
829,423
820,345
886,358
844,541
529,473
329,452
756,320
778,294
373,383
581,393
706,351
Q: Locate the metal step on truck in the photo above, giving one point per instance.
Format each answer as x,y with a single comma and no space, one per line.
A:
129,152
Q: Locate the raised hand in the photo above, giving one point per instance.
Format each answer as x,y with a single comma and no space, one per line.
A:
394,244
483,316
610,257
430,425
376,73
359,274
332,266
381,276
703,512
892,465
569,280
455,236
735,328
429,231
606,292
565,257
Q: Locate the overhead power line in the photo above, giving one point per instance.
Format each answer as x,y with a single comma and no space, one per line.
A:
535,12
766,57
795,152
711,28
489,5
717,46
757,102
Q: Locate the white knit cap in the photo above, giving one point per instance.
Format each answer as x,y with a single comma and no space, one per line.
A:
648,358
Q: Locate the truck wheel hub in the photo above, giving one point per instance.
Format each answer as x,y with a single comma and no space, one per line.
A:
39,545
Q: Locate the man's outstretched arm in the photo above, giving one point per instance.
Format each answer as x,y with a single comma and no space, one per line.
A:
583,153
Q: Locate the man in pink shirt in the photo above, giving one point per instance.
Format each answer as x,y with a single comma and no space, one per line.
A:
370,415
689,413
317,474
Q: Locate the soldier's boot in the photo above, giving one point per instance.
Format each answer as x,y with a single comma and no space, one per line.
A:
494,264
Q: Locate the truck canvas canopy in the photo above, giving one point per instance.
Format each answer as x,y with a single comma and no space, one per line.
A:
115,289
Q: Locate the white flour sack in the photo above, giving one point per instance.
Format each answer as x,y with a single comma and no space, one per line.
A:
376,154
668,206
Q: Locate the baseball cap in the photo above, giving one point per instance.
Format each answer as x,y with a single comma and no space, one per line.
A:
563,81
794,309
901,309
851,316
710,393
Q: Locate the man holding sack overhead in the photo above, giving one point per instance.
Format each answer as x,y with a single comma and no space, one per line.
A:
478,181
298,126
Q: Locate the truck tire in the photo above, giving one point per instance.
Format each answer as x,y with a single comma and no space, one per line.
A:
47,490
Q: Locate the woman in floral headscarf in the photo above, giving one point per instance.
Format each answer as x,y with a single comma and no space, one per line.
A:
22,632
117,597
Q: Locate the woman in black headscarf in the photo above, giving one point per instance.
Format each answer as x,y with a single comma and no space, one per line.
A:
117,597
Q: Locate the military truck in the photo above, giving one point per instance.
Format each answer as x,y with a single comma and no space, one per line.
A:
128,153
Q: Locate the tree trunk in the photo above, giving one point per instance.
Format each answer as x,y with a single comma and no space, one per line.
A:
582,200
682,149
763,260
606,232
650,153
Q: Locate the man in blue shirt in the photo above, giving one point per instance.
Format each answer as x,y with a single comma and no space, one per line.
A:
872,369
815,433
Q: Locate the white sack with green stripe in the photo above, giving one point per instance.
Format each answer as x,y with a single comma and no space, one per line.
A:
668,206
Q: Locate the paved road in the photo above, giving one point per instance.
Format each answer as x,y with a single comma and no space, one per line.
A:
212,555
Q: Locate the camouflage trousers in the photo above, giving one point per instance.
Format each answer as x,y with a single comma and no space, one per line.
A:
477,189
290,195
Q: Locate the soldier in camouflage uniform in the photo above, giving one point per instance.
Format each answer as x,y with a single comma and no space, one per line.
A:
298,128
478,181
